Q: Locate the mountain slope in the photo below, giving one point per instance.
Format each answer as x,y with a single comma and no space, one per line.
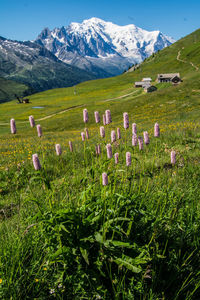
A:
100,44
36,67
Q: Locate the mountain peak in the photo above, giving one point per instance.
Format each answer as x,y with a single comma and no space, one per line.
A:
94,20
103,44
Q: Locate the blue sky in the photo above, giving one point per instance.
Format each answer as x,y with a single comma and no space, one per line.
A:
25,19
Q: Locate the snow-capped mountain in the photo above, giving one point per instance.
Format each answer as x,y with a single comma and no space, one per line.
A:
102,47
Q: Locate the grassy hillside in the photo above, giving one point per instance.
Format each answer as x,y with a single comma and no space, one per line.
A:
63,233
8,88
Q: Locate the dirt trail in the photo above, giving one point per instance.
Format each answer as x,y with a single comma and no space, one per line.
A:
70,108
49,116
120,97
60,112
184,61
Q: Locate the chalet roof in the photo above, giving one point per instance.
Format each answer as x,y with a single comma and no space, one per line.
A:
169,75
147,79
139,83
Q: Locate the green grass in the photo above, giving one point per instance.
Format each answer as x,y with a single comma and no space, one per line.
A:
63,234
9,88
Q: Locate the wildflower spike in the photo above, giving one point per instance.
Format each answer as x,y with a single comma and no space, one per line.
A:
97,117
13,128
134,128
104,179
36,162
140,143
126,120
108,116
109,150
87,133
39,130
70,146
85,116
113,136
116,158
104,119
118,133
99,149
58,149
128,159
156,130
173,157
134,139
32,121
102,131
146,137
83,136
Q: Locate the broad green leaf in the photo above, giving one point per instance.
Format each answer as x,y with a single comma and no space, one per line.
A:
61,226
121,244
127,265
85,255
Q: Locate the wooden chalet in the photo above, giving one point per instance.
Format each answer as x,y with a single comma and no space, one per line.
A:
169,77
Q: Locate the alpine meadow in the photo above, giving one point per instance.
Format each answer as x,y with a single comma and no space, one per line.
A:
99,186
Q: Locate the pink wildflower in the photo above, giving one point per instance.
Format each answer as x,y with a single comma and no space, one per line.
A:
126,120
134,128
113,136
134,139
32,121
140,142
87,133
146,137
156,130
104,179
102,131
118,133
83,136
39,130
104,119
70,146
36,162
99,149
128,159
58,149
97,116
13,128
85,116
173,157
109,150
116,158
108,116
